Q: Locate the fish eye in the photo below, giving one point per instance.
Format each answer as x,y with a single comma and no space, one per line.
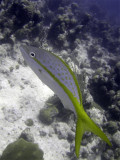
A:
32,54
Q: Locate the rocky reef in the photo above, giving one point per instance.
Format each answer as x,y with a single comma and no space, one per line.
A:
63,22
105,85
19,19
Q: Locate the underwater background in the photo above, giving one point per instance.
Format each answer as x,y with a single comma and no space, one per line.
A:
33,122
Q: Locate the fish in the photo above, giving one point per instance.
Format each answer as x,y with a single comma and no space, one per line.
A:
57,75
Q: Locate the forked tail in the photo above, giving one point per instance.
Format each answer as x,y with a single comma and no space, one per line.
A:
84,123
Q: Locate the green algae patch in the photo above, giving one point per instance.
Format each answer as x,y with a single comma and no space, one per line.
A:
22,150
47,114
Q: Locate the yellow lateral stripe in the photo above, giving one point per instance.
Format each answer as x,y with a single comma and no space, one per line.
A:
71,72
73,99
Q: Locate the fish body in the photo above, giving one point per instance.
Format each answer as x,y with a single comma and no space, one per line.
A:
58,76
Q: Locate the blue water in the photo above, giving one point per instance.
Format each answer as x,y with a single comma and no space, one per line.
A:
102,9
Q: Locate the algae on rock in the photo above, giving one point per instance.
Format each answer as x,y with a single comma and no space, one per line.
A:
22,150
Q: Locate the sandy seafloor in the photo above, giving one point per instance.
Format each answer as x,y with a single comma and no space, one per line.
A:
23,94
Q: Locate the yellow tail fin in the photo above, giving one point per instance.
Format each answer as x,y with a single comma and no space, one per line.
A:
84,123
